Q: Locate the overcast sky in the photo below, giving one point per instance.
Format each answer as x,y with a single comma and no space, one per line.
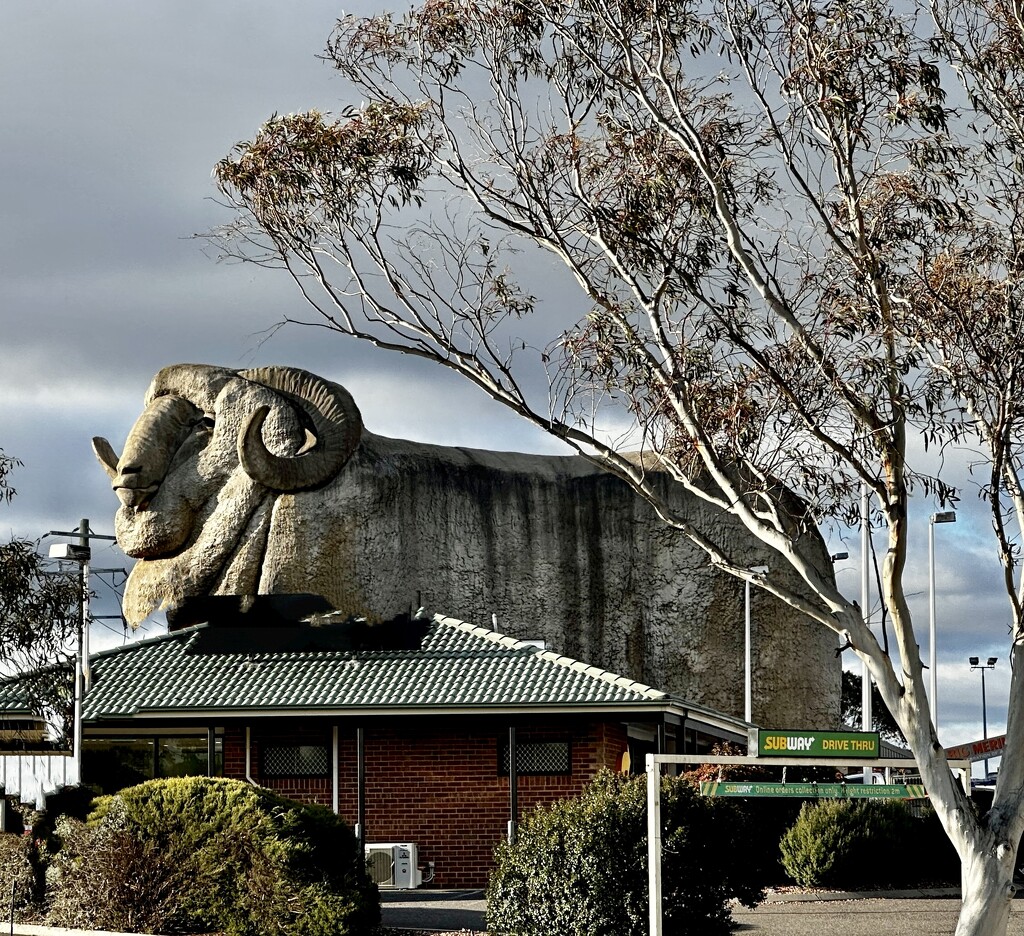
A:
113,115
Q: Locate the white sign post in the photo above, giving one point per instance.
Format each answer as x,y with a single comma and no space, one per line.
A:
654,762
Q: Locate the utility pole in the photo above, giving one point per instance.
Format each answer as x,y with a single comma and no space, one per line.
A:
81,553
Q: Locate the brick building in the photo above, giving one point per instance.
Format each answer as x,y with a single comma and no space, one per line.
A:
407,734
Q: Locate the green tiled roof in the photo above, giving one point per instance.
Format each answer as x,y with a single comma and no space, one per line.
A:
20,694
457,667
14,699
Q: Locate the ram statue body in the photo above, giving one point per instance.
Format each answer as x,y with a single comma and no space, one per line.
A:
264,481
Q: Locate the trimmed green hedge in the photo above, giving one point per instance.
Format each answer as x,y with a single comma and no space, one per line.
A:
851,844
197,854
579,868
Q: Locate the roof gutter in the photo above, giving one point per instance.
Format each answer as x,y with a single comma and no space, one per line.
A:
724,722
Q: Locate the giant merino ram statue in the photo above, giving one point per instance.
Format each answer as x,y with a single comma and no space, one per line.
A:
264,481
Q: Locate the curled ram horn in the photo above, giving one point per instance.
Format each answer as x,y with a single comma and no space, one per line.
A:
333,421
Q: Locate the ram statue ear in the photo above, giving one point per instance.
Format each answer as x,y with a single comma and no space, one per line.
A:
332,418
106,456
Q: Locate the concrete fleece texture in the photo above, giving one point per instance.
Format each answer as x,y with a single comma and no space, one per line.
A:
554,548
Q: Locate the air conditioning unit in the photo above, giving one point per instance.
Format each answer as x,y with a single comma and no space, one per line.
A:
393,864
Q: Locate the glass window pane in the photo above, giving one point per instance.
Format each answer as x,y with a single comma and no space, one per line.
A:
183,757
111,764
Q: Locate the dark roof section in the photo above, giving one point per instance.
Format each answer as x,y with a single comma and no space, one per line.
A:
20,694
246,610
14,699
454,668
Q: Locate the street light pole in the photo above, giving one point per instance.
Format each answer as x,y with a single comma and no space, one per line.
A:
948,516
865,605
748,695
81,553
977,665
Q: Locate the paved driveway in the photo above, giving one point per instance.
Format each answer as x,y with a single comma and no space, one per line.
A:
433,910
796,915
893,917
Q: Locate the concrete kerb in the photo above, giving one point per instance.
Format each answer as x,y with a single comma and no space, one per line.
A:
32,929
821,896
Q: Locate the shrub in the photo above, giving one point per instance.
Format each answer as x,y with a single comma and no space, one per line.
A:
196,854
853,844
20,874
579,867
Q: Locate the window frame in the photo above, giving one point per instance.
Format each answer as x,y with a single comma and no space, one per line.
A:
268,745
522,746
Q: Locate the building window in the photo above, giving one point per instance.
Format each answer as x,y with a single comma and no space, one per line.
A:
111,764
538,757
296,760
188,757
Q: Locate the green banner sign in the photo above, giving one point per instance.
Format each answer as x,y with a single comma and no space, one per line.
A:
839,744
809,790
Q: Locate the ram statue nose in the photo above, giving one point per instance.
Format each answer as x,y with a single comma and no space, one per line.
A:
130,485
151,445
131,489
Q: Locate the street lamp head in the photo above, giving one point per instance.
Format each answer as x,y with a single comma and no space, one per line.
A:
71,551
992,661
946,516
840,555
973,661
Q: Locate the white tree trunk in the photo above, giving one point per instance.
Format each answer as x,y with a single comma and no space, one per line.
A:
988,889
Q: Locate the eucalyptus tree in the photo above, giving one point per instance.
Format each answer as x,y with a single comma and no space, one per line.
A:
792,231
39,619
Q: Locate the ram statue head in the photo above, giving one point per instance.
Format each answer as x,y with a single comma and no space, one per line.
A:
202,466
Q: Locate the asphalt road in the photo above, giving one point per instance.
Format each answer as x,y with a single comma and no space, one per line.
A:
863,917
433,911
453,911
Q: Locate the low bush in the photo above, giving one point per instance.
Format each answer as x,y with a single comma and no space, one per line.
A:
579,867
196,854
21,876
851,844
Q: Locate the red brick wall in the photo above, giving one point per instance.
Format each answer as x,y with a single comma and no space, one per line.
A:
305,789
435,785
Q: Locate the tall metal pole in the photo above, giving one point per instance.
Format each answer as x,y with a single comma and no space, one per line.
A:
83,540
865,605
933,667
976,664
81,554
747,693
984,717
748,678
945,516
81,656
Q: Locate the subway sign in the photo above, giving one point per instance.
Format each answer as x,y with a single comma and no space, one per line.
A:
839,744
815,790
